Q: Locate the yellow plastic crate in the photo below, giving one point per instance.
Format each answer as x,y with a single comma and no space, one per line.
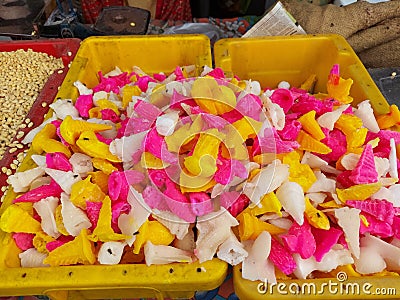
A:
270,60
293,59
152,54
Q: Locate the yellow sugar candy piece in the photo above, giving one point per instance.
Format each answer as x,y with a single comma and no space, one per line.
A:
103,231
71,129
44,141
78,251
190,184
250,227
152,231
95,112
341,90
269,204
59,221
358,192
316,217
16,219
101,179
211,97
184,135
330,204
309,84
388,120
90,145
149,161
348,123
311,126
40,240
298,172
356,139
103,165
85,190
308,143
247,127
203,161
128,92
107,104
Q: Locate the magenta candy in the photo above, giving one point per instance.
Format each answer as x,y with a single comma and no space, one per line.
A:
306,103
83,104
24,241
224,172
250,105
336,140
213,121
290,131
201,203
234,202
344,180
156,145
143,82
177,202
93,211
375,226
383,210
50,246
103,139
284,98
154,198
58,161
109,114
281,257
119,182
147,110
159,77
271,142
158,177
48,190
112,83
325,240
179,74
396,227
217,73
300,240
365,171
178,99
232,116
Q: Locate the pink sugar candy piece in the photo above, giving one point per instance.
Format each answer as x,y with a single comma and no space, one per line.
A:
154,198
93,211
58,161
83,104
227,168
349,111
213,121
234,202
143,82
179,74
178,203
103,139
271,142
232,116
290,131
300,240
112,83
284,98
344,180
375,226
365,171
342,241
119,182
50,246
109,114
147,110
334,140
217,73
250,105
41,192
201,203
118,208
396,227
306,103
57,123
281,257
24,241
383,210
156,145
159,77
325,239
177,99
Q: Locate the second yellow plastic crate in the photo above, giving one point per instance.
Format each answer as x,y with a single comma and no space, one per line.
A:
179,280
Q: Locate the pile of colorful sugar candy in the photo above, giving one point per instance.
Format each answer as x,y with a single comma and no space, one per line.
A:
157,169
